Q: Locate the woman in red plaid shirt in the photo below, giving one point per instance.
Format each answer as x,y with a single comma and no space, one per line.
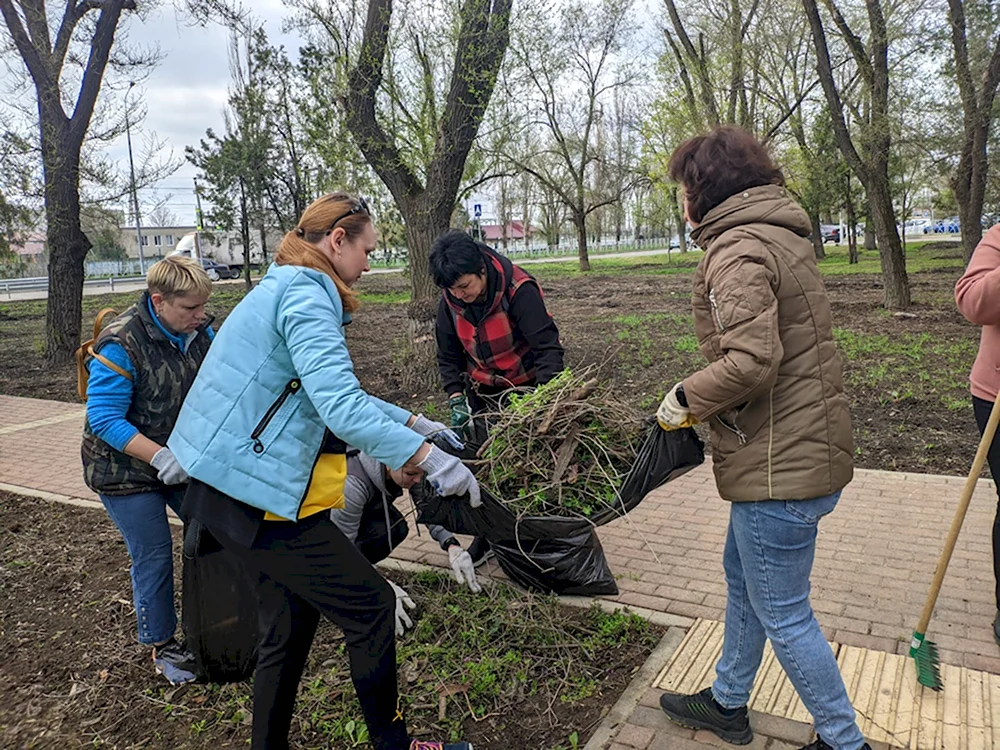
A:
493,332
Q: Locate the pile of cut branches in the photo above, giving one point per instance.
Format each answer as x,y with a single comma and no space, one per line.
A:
561,449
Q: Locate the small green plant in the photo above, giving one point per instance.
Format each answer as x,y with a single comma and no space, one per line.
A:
686,343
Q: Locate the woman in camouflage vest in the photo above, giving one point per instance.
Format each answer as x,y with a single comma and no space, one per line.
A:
146,360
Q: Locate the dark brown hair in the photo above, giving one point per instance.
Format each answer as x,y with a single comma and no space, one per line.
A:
712,167
300,246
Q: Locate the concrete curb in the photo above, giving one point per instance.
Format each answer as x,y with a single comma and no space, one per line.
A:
643,680
79,502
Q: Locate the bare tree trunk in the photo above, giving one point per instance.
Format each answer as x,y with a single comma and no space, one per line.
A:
67,248
852,225
817,235
897,288
580,222
970,178
263,245
61,138
423,224
871,164
870,239
679,222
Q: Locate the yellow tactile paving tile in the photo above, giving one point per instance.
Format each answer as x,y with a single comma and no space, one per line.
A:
891,706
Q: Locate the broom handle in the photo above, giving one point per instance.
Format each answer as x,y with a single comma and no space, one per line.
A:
959,519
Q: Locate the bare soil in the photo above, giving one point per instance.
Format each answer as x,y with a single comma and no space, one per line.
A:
72,674
906,375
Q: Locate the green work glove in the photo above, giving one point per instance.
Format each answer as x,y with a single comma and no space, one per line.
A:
460,411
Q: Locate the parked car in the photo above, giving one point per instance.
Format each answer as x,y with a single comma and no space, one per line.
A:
914,226
218,271
830,233
948,225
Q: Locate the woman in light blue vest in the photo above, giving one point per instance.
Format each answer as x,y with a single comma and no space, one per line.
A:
262,433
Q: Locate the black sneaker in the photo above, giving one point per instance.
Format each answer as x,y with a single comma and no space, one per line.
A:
175,662
480,551
820,745
996,628
419,745
702,711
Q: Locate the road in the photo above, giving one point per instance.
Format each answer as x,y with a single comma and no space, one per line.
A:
135,286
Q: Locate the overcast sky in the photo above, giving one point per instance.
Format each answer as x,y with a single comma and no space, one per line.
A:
186,93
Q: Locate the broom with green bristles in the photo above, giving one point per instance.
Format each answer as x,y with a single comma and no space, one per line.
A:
924,652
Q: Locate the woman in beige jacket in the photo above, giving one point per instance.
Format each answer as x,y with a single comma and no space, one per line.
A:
773,397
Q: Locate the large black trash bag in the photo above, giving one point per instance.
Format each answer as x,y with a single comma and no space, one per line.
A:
219,608
563,565
554,553
663,456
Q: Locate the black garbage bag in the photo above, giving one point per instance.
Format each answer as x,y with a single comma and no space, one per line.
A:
219,608
563,565
555,553
663,456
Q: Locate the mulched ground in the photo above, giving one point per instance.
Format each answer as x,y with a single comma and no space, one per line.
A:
906,375
72,674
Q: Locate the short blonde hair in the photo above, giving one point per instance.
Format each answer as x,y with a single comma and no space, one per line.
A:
177,276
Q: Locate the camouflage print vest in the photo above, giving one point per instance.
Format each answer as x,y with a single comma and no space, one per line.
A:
163,376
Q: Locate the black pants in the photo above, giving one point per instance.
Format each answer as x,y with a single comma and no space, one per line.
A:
305,570
982,409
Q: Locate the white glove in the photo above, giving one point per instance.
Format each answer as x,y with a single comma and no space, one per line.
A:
168,470
449,476
403,601
461,565
429,428
671,415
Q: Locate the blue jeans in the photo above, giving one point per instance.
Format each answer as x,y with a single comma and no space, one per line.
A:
142,521
768,559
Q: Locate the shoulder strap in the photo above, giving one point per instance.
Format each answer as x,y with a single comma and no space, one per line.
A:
108,363
99,320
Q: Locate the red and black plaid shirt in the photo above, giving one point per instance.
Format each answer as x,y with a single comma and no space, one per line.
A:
496,353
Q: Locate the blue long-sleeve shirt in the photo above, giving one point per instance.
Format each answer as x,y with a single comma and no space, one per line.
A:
109,394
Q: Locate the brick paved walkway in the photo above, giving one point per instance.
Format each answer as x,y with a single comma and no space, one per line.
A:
874,560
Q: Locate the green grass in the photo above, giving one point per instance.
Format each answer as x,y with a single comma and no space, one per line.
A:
908,365
514,653
921,255
386,298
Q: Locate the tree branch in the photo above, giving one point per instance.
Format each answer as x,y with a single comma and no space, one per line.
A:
482,42
359,106
825,71
854,42
75,11
100,51
33,60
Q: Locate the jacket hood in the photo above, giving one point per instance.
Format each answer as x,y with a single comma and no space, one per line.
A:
768,204
374,470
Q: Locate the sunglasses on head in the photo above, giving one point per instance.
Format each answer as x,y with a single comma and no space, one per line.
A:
361,206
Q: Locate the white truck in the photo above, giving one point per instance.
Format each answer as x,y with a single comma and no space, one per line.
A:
223,248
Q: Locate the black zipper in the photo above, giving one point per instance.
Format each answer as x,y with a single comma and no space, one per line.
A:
291,388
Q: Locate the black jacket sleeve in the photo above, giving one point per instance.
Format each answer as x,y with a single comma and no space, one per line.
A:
450,353
528,313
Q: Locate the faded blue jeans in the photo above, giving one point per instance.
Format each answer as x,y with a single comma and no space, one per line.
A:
768,559
142,521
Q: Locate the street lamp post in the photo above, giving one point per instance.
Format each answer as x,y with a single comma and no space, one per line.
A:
135,195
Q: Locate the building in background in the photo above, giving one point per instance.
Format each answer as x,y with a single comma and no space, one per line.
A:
157,242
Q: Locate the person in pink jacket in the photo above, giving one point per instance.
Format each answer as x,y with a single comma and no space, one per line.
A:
977,294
